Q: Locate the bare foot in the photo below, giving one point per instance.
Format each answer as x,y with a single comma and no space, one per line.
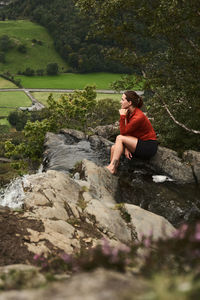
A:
111,169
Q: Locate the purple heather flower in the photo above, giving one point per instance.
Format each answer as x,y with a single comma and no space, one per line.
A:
147,242
66,257
114,255
197,232
196,253
180,233
36,256
106,249
124,248
44,265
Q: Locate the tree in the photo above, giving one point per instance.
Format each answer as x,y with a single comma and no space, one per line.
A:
170,61
29,72
71,110
52,69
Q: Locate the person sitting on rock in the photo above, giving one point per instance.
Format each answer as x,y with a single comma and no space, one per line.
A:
137,137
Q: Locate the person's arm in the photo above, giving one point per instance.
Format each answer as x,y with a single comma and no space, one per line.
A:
135,122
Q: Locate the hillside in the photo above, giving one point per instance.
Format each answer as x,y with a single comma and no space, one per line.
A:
38,53
71,34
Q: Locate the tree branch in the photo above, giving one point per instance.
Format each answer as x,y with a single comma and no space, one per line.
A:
175,121
193,45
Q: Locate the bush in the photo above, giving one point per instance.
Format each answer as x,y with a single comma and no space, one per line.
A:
106,112
22,48
29,72
19,118
52,69
37,42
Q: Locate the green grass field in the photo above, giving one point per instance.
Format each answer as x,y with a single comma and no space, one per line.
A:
37,57
43,96
4,121
6,84
9,101
70,81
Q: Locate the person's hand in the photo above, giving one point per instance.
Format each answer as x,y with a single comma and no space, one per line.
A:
128,154
122,111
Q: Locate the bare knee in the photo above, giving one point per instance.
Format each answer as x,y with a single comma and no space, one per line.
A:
119,138
113,147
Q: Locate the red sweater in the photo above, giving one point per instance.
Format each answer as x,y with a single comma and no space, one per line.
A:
137,125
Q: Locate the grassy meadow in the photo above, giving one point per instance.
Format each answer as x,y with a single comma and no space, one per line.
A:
37,56
6,84
69,81
9,101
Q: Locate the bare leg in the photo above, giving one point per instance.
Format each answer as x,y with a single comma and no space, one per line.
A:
122,141
112,152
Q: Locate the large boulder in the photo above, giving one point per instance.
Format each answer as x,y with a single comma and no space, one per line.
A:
193,159
73,214
62,151
168,162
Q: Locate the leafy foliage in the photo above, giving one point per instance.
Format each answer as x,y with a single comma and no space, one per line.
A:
170,63
18,118
78,110
70,110
52,69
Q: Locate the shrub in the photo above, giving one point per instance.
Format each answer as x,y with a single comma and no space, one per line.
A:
106,112
52,69
22,48
29,72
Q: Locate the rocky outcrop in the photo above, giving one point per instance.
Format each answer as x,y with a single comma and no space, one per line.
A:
193,158
178,201
108,131
77,213
183,170
97,148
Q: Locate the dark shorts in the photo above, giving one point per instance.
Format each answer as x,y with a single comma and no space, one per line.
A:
145,149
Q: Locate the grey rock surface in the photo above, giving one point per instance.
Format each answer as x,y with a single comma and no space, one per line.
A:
98,285
75,214
168,162
178,201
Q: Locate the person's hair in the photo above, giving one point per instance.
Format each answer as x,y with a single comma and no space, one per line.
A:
134,98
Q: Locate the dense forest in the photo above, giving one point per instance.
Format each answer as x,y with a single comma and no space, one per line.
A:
70,31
